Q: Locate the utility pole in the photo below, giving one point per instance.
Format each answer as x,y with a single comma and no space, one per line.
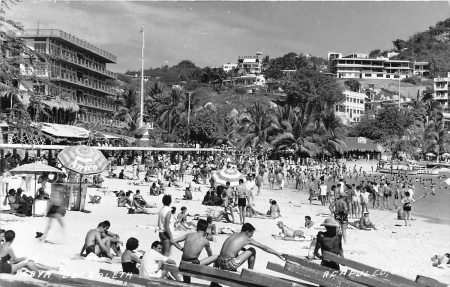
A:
141,123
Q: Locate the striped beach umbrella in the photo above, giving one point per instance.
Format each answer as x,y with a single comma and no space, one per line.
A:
83,159
222,176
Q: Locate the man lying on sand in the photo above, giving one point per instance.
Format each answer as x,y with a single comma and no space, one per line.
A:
93,242
287,232
194,244
231,257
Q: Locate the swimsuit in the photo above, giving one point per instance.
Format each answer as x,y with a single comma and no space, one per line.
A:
230,264
90,248
192,260
242,201
5,267
342,217
130,267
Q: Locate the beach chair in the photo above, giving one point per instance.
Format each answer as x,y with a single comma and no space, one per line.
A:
143,281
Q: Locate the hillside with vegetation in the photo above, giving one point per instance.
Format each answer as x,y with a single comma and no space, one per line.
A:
432,45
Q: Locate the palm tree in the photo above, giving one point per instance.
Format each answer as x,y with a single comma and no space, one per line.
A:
255,126
170,112
436,136
329,133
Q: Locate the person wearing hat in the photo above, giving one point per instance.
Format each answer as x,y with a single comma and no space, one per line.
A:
329,241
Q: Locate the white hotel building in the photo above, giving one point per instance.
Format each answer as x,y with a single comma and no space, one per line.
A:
352,109
360,66
441,90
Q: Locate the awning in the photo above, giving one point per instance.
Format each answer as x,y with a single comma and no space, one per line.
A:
113,136
65,131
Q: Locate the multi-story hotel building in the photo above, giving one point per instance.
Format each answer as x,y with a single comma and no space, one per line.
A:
77,70
228,67
442,90
249,65
360,66
353,108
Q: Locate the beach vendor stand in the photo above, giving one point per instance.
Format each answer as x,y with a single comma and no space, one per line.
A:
37,168
83,160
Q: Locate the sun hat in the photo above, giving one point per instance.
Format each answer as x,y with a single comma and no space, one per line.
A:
330,222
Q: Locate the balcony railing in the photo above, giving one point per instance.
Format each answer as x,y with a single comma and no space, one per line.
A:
84,83
69,38
87,65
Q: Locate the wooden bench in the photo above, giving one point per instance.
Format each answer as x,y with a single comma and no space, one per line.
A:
144,281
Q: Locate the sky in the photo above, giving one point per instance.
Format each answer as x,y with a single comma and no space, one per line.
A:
213,33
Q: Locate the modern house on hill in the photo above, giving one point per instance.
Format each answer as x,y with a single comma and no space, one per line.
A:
360,66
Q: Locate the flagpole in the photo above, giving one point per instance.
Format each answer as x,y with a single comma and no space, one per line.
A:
141,124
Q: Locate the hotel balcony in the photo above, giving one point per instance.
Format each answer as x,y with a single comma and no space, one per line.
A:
83,83
56,33
88,104
441,87
441,96
86,65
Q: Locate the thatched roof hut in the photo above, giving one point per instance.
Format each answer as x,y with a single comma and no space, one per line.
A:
361,144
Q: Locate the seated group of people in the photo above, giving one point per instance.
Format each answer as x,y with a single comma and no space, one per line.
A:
20,203
100,241
137,204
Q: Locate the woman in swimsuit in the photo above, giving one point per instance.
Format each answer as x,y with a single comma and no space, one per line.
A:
407,201
129,257
10,264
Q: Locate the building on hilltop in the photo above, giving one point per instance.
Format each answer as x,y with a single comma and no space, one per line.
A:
353,107
249,65
229,67
360,66
77,71
441,90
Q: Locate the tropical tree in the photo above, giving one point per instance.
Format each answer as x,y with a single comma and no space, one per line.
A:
170,112
436,137
255,126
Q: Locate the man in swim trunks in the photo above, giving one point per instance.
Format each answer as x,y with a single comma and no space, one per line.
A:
230,258
241,199
340,209
194,243
165,234
95,244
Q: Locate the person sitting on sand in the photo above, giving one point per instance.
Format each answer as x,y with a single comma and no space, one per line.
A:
10,264
123,199
122,174
114,238
139,202
287,232
329,241
181,222
441,260
194,244
231,257
11,200
187,194
364,223
130,258
152,261
308,222
93,243
274,210
154,189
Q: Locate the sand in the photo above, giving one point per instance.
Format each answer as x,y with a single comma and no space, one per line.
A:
402,250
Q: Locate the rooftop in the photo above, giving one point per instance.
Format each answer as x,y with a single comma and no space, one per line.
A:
56,33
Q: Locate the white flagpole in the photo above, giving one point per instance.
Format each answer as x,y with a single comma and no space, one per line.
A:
141,124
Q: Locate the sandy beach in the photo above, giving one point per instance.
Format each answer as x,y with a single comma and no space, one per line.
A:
402,250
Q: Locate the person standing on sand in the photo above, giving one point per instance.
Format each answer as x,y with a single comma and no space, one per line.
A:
241,199
340,209
165,234
407,202
194,244
329,241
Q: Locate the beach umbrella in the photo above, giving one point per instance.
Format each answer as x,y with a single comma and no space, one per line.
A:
35,168
231,175
84,160
430,154
445,154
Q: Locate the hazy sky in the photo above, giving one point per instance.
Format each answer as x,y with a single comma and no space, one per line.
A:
213,33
